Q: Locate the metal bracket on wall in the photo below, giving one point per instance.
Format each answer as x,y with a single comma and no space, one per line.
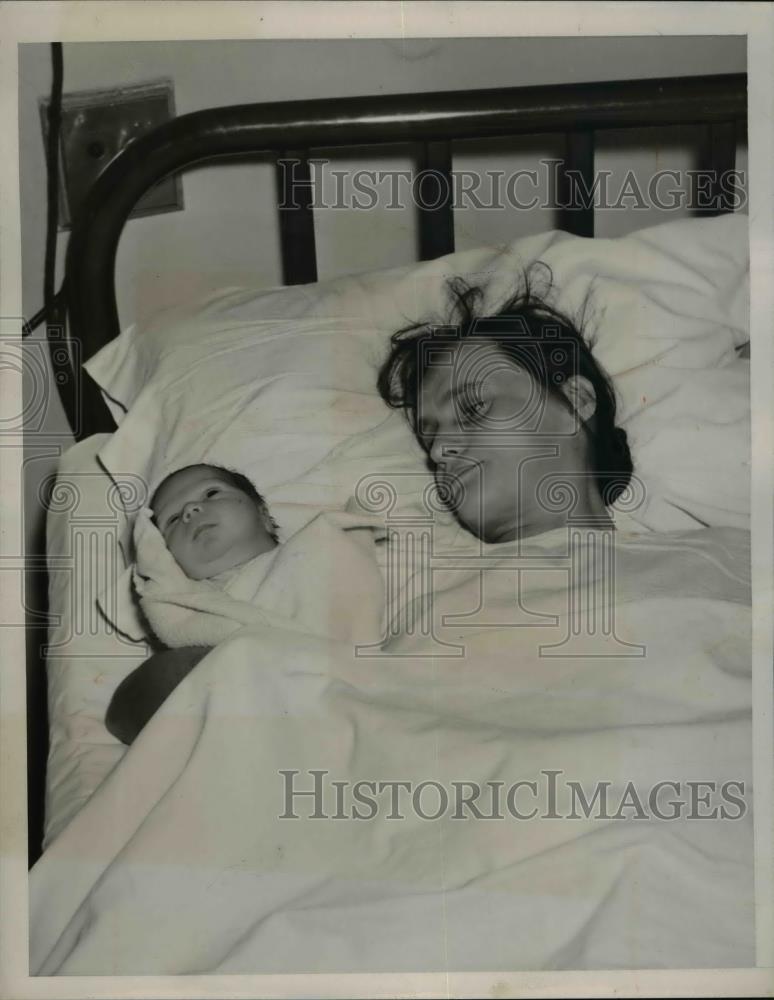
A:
98,124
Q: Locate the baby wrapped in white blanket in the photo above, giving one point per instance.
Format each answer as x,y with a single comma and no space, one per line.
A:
208,563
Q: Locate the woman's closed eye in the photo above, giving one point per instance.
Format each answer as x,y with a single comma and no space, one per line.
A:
475,406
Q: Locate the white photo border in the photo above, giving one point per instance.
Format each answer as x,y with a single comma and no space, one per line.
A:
162,20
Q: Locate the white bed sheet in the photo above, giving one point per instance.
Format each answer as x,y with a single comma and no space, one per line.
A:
180,864
176,832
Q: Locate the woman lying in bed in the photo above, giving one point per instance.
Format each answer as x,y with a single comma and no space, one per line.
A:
508,408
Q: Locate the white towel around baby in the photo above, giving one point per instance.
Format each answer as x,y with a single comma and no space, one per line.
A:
324,581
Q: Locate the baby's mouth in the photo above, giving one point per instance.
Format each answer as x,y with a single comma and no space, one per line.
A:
200,528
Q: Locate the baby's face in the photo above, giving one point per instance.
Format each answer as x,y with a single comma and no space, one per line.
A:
208,524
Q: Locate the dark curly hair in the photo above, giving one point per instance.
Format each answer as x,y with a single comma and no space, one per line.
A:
527,330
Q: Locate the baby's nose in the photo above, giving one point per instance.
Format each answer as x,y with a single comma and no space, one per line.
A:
191,510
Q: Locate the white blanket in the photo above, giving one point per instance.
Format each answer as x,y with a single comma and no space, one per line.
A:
308,584
180,862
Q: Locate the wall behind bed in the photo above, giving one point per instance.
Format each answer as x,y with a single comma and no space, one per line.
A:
228,231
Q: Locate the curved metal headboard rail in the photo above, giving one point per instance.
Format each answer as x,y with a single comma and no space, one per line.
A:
293,125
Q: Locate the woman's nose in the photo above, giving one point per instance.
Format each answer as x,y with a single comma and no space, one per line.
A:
191,509
442,450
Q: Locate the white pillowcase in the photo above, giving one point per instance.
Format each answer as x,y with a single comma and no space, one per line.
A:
280,384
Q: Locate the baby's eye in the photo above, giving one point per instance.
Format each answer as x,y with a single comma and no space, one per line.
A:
212,491
172,520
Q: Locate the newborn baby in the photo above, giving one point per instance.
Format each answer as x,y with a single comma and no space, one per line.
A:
212,520
209,563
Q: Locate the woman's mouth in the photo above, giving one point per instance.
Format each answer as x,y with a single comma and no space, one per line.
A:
455,483
460,472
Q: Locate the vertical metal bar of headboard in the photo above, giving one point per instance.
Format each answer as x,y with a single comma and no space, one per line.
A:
434,199
719,158
296,219
576,184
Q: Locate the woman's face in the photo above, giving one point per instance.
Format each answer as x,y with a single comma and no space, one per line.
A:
499,441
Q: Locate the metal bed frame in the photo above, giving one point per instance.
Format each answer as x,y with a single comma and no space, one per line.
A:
84,316
289,130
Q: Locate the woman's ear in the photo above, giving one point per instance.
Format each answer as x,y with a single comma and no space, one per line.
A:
581,396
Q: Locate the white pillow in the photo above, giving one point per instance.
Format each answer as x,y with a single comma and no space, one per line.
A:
692,451
280,384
